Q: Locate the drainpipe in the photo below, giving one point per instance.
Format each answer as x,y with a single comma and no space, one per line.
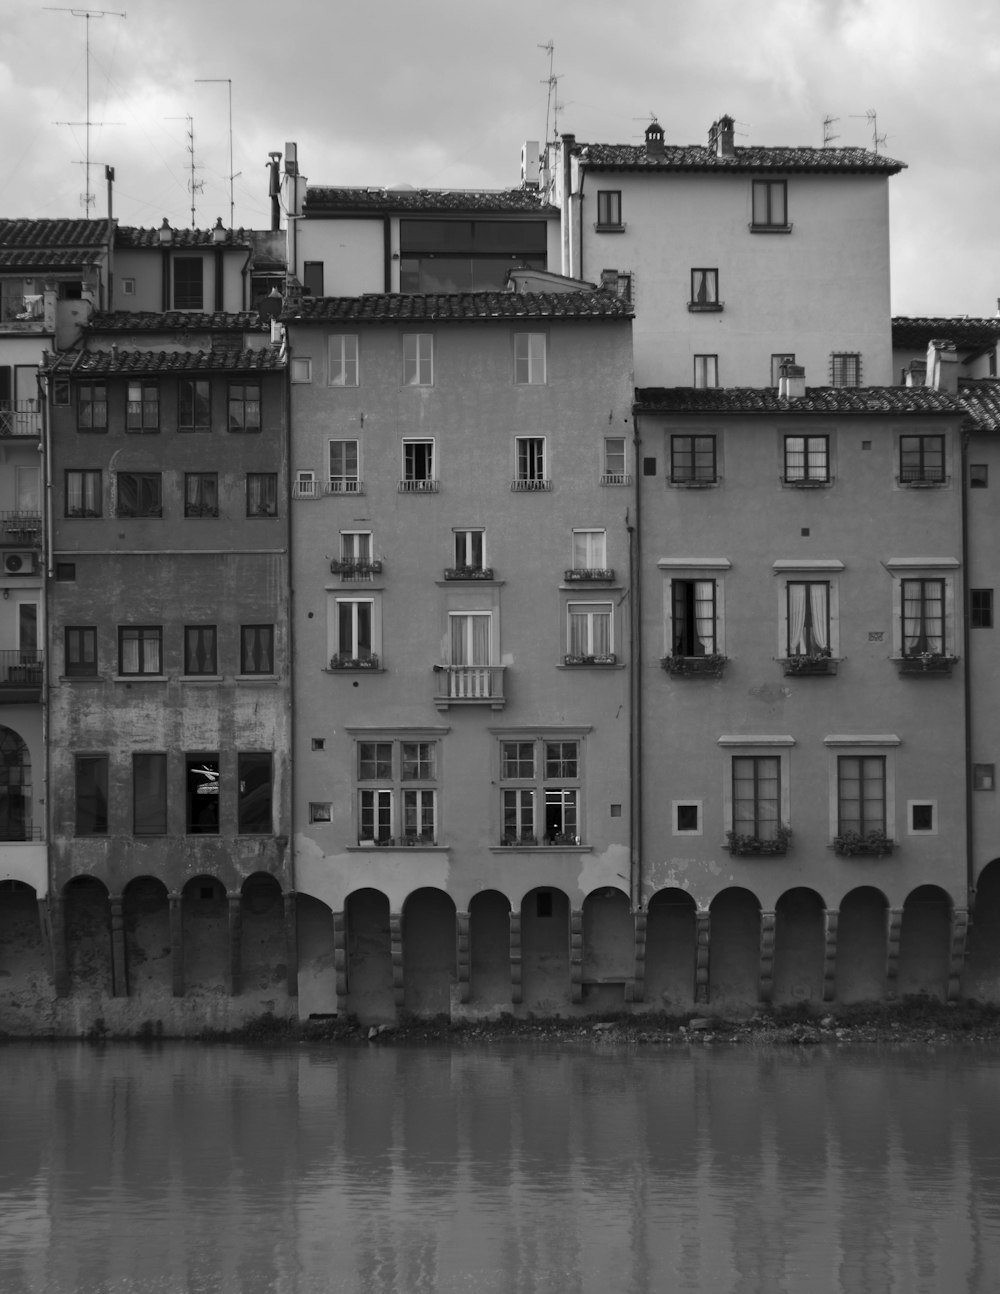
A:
635,683
970,862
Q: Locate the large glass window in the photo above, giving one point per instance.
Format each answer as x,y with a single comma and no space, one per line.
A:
757,796
91,795
140,494
861,797
343,360
189,292
418,359
140,649
770,204
923,617
244,406
529,358
692,459
254,798
693,617
202,794
808,618
194,405
83,493
540,791
149,795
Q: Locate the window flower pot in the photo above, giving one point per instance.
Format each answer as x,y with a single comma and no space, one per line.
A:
740,843
870,844
710,666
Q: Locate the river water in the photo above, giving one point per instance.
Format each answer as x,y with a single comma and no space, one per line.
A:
518,1169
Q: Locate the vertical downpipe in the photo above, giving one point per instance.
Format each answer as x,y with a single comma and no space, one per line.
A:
635,681
970,863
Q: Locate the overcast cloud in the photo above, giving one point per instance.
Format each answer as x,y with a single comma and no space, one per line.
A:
442,93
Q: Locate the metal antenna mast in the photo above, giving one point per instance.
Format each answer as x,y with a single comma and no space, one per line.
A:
88,197
828,122
872,118
194,185
225,80
552,81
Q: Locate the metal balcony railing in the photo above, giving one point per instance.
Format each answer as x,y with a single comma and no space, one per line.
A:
20,418
20,529
20,669
464,684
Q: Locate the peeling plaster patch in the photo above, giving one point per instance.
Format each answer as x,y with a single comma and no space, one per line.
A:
395,873
608,868
769,694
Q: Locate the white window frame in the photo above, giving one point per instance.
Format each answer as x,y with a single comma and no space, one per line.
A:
698,806
859,745
615,475
531,479
300,369
343,360
467,539
808,571
356,546
539,789
590,549
911,830
530,359
418,359
706,372
344,483
396,789
381,808
350,650
413,483
756,745
589,612
920,568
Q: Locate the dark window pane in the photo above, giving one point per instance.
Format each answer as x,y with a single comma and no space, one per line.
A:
254,793
149,795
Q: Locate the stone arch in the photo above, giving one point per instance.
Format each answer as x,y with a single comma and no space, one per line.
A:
370,994
925,943
670,949
23,962
862,945
263,950
734,947
15,787
489,949
608,949
317,956
87,912
205,923
982,970
545,973
146,921
429,952
799,946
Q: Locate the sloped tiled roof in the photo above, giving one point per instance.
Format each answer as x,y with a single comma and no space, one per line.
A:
980,398
103,363
698,157
53,233
40,259
961,329
321,200
130,236
893,400
460,307
173,321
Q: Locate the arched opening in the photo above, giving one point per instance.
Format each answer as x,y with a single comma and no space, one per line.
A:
545,951
925,943
146,916
429,969
88,935
23,965
369,957
861,945
982,969
317,960
489,950
15,788
799,944
608,949
734,947
670,949
264,963
205,920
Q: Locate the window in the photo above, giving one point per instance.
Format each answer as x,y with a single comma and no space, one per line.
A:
921,460
770,205
418,359
693,617
540,791
471,638
845,369
81,651
142,407
262,494
692,460
706,371
91,407
194,405
808,618
244,406
188,283
590,635
201,649
590,550
65,571
91,795
356,547
470,549
418,467
984,777
807,458
609,208
777,364
402,807
687,817
253,799
979,475
343,359
922,815
301,369
312,278
923,617
128,287
320,811
304,485
140,649
529,463
83,493
256,649
981,608
201,494
149,795
202,795
354,631
756,796
861,794
619,282
140,494
345,475
614,462
529,358
704,288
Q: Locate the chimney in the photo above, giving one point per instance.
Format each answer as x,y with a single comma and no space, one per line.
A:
791,382
274,189
915,374
218,233
654,139
720,138
942,366
166,233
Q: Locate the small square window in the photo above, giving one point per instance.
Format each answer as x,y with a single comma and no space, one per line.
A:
981,608
128,287
692,460
922,815
319,812
687,817
984,777
301,369
318,743
979,475
65,571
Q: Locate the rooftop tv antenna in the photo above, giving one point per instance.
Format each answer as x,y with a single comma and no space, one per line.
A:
871,117
227,81
88,197
195,186
828,122
552,81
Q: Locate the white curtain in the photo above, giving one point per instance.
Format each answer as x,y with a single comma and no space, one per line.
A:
818,613
797,620
704,614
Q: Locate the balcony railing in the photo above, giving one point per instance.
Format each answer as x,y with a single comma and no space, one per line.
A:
469,684
20,418
20,669
589,575
926,664
340,485
522,485
423,485
468,572
355,571
19,832
710,666
20,529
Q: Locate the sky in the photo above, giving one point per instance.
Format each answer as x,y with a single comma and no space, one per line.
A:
442,94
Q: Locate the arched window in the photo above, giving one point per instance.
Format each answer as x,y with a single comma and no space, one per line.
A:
15,787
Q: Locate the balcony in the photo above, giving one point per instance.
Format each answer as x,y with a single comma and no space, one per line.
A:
352,572
469,685
337,485
20,676
20,529
523,485
20,418
424,485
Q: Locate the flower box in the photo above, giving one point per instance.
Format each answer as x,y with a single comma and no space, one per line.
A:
818,664
695,666
355,570
926,663
608,658
871,844
562,838
469,573
512,840
580,574
342,661
740,843
417,838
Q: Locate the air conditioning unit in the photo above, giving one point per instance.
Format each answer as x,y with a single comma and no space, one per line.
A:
19,563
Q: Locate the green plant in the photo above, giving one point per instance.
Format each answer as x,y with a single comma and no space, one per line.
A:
872,844
745,843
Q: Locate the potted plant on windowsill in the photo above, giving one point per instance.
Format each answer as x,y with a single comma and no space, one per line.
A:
562,838
468,573
867,844
343,660
512,839
708,666
601,658
592,573
926,662
349,569
743,843
816,662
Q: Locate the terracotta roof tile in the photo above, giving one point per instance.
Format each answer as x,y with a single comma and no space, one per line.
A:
893,400
320,200
102,363
173,321
460,307
919,330
53,233
695,157
980,398
40,259
130,236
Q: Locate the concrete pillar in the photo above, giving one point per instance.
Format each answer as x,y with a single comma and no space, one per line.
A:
291,943
831,920
765,990
396,952
235,942
340,960
60,953
959,943
175,903
119,961
635,991
576,955
702,942
894,926
516,985
463,956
